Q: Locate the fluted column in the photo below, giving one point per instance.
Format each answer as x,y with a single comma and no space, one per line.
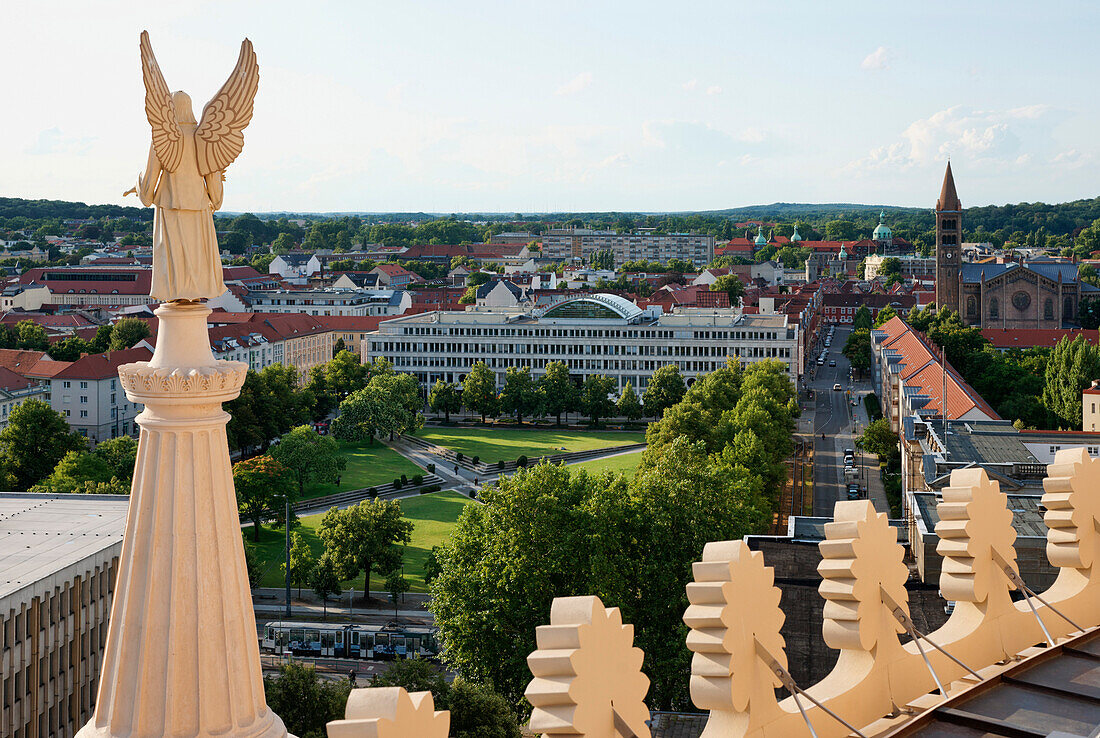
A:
182,657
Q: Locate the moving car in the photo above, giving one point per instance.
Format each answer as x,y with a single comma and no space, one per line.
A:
836,387
832,362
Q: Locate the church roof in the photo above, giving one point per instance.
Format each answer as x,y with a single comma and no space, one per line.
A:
973,273
949,199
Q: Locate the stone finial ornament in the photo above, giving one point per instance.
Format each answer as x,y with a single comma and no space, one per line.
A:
185,171
588,677
974,522
725,671
861,559
1072,499
390,712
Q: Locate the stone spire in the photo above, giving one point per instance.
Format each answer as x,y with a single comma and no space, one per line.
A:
949,199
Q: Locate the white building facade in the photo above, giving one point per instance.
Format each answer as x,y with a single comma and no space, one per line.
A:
592,334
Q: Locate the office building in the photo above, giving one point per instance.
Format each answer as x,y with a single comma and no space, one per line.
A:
591,333
59,555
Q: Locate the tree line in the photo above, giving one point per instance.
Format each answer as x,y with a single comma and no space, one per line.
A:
712,471
555,394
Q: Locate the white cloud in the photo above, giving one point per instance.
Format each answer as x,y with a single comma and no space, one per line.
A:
578,83
54,141
714,90
1003,137
691,84
877,60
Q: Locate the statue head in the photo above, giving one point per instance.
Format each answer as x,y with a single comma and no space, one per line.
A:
181,101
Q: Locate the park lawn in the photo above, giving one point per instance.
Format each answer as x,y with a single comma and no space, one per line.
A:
624,463
508,444
433,517
367,466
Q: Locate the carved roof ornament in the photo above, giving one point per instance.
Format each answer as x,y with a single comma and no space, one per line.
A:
725,671
861,559
974,522
588,677
390,712
1073,509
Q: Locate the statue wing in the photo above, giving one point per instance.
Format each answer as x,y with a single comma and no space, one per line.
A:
167,136
220,135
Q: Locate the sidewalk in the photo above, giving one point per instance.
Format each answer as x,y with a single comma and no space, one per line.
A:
871,478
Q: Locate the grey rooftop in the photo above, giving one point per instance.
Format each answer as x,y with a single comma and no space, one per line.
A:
43,535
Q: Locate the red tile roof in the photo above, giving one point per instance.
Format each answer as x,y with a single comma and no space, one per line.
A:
10,381
1005,338
103,366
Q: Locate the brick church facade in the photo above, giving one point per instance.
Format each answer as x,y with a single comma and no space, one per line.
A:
1041,293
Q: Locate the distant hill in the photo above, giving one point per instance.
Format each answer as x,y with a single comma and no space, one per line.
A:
15,207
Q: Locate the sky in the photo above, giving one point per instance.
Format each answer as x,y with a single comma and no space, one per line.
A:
462,106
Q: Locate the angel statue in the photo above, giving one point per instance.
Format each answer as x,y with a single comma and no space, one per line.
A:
187,163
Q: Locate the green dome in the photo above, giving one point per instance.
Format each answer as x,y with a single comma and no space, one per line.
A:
795,238
760,240
882,231
843,254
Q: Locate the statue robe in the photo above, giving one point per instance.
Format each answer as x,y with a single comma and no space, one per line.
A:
186,261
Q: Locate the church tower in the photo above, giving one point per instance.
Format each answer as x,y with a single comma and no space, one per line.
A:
948,244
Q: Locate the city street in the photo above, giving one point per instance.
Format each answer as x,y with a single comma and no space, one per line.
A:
841,423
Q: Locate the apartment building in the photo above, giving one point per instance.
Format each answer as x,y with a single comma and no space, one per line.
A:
331,301
593,334
89,395
59,554
576,244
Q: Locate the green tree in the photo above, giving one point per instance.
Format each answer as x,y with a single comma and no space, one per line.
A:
325,580
1073,365
301,562
120,454
432,566
31,336
861,321
559,392
262,484
309,456
270,404
69,349
666,388
366,413
596,400
365,538
283,244
885,315
479,712
34,441
331,382
520,395
73,472
628,404
730,284
416,675
304,701
396,585
469,297
102,340
858,349
479,392
127,332
445,398
841,230
878,439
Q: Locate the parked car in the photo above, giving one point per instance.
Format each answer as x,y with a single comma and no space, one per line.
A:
836,387
853,492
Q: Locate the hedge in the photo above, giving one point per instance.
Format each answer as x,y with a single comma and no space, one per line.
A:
874,407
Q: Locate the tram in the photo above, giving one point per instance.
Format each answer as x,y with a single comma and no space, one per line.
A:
355,641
